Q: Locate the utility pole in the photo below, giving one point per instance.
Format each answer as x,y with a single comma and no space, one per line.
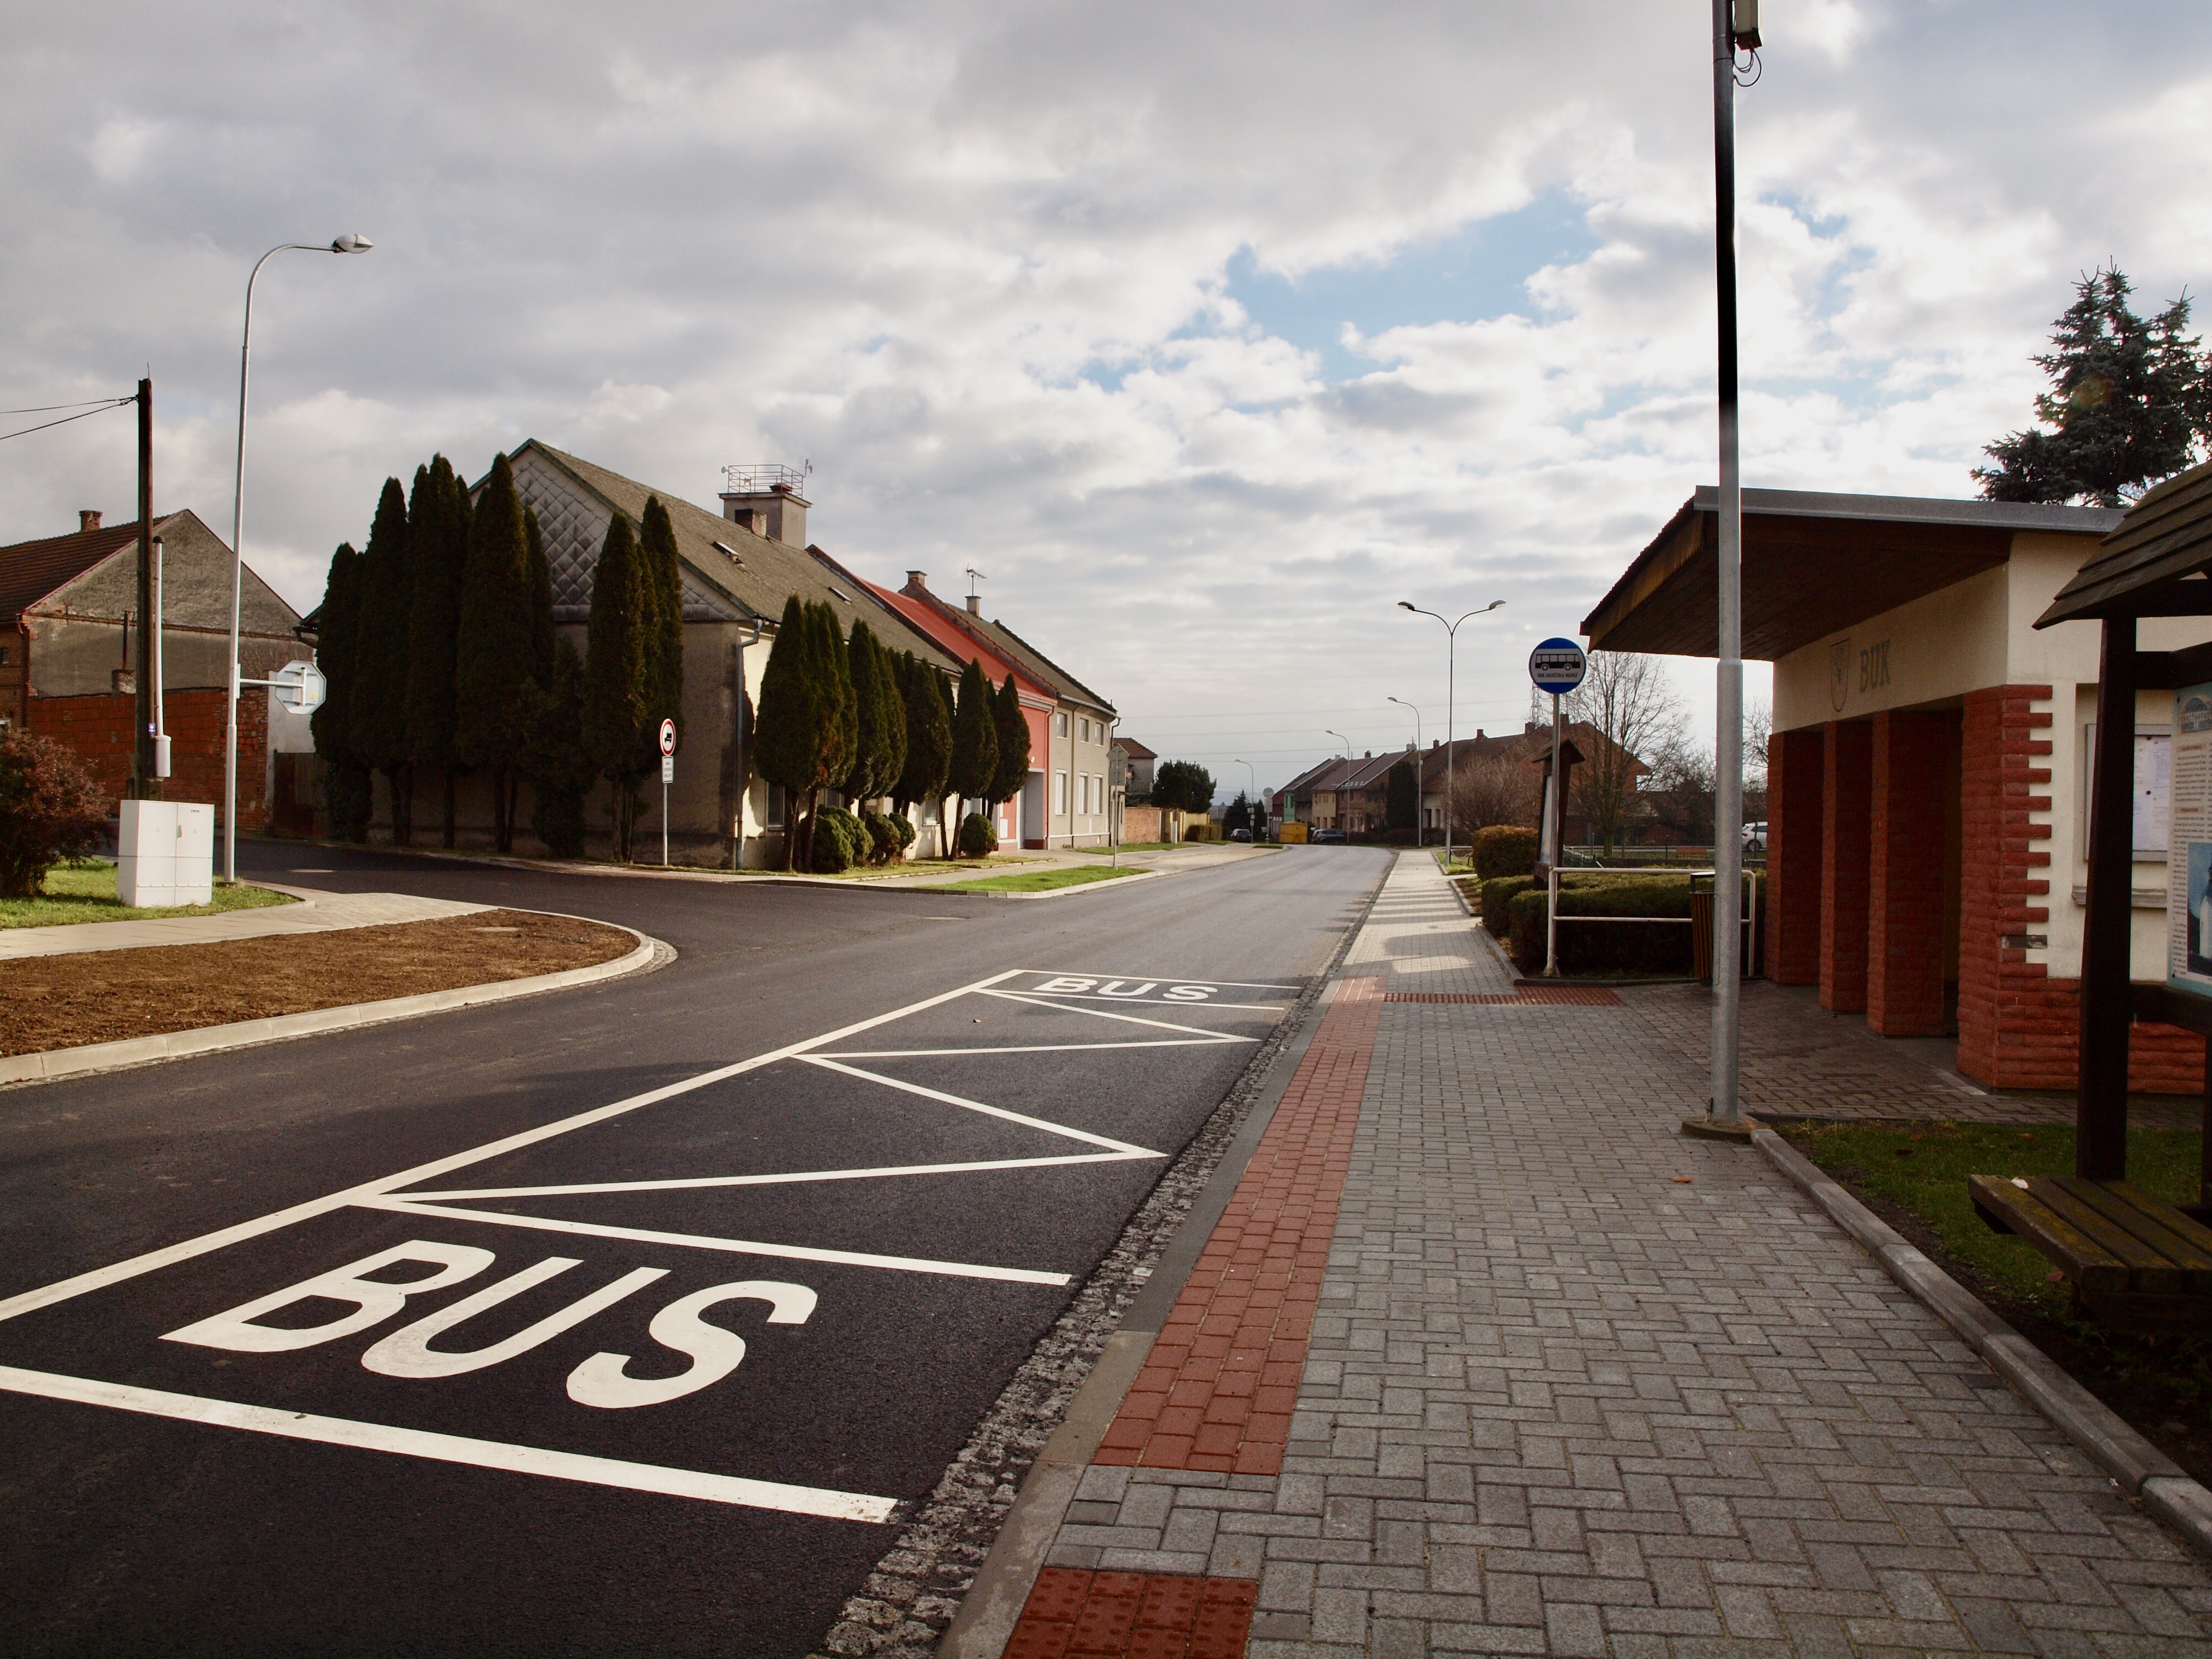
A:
144,785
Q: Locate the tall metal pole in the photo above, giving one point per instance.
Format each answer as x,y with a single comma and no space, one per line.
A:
1420,769
1552,843
1727,806
142,784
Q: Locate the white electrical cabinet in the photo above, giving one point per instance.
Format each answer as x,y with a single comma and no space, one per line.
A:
164,853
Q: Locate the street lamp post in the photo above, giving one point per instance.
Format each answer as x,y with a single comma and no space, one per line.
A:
1420,769
350,243
1252,789
1338,791
1451,734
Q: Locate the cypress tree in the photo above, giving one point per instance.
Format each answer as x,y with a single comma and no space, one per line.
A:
543,664
891,719
559,770
787,724
664,579
833,677
437,549
615,682
975,736
928,736
378,717
492,668
345,779
870,772
1013,729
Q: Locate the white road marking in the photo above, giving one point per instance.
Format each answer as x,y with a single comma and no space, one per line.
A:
1027,1048
1128,1019
1151,1002
1084,1135
689,1181
1163,979
734,1246
456,1449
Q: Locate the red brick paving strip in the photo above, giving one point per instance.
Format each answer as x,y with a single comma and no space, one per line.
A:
1216,1390
1074,1614
1574,996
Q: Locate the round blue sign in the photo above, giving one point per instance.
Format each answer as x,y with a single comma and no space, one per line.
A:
1558,666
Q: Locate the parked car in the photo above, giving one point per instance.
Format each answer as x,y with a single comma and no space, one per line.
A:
1754,837
1240,834
1331,837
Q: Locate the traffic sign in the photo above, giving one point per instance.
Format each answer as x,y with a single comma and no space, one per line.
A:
300,686
1558,666
668,737
667,770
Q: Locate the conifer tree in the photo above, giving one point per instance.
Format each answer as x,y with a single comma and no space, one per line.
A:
2129,398
864,777
541,601
437,553
786,726
1012,730
559,769
827,661
616,686
377,718
891,719
929,736
975,736
492,668
345,779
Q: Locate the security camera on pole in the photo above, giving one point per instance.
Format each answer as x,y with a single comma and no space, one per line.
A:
667,777
1556,666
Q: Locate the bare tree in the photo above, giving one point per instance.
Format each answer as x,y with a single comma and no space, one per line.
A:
1757,732
1493,789
1628,700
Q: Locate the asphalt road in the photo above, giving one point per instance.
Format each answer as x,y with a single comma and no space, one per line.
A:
616,1321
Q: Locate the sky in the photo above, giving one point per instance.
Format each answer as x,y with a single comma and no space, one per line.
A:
1204,333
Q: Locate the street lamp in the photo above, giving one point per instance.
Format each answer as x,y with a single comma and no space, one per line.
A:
1252,790
1420,767
1451,647
1339,790
351,242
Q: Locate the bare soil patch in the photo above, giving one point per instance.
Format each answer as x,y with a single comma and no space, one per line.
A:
105,996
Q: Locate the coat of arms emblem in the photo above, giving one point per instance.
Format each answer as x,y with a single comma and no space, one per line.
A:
1840,674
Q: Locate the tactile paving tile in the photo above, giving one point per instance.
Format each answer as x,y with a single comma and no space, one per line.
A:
1128,1615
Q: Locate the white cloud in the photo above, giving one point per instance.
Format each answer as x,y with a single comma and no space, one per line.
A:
973,262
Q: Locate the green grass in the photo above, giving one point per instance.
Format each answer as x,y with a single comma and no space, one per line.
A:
1138,847
1923,1167
86,892
1034,881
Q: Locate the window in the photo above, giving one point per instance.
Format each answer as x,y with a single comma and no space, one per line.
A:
1059,779
1060,730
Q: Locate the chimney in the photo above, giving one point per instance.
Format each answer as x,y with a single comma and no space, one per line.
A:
974,604
918,580
87,519
766,501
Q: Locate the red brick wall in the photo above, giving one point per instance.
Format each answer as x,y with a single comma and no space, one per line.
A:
99,729
2018,1027
1904,914
1794,773
1846,784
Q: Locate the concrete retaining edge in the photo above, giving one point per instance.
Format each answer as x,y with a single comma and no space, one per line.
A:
249,1033
2141,1470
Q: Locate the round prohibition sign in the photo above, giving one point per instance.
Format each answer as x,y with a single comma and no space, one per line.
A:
1558,666
668,737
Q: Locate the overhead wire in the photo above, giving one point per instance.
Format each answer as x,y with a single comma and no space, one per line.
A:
118,403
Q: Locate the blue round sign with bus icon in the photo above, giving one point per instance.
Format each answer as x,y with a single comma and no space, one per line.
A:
1558,666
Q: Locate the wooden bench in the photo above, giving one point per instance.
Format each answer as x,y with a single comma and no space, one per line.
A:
2136,1263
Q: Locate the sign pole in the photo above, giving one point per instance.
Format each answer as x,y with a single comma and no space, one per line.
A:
667,777
1728,804
1554,838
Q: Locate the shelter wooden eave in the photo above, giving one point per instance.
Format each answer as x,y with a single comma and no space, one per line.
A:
1813,563
2154,563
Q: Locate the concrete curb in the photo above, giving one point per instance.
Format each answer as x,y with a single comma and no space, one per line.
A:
993,1603
250,1033
2141,1470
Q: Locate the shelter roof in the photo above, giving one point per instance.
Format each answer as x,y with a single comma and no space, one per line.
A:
1813,563
2153,561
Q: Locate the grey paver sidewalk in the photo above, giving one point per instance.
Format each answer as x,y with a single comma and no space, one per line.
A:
317,913
1559,1401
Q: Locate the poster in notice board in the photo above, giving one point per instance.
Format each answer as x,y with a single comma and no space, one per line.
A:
2189,844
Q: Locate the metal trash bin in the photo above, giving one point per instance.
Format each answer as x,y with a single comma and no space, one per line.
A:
1701,933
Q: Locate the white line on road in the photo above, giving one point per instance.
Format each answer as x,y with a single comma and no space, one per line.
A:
1153,1002
1088,1138
690,1181
701,1242
1163,979
455,1448
1030,1048
1128,1019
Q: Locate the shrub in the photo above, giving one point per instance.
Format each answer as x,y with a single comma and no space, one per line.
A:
839,841
50,809
1504,850
1595,948
1498,897
904,826
977,838
1205,830
884,841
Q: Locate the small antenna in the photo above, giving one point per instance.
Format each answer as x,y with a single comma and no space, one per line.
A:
975,576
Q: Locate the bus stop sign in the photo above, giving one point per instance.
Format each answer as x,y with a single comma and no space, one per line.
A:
1558,666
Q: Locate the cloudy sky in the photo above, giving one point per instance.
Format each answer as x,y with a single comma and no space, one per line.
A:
1206,331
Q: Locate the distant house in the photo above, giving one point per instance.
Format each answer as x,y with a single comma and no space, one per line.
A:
69,638
1352,794
1139,762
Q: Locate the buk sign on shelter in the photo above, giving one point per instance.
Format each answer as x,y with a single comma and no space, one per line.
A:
2189,843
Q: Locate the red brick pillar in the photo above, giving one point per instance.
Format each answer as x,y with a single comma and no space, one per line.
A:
2017,1030
1846,785
1905,908
1794,766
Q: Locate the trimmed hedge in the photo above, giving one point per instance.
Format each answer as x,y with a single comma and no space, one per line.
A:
1504,850
903,827
1498,897
1594,949
884,843
977,838
840,842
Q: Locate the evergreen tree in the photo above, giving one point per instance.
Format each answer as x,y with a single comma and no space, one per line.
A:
1011,728
492,668
378,716
1401,792
665,578
616,686
827,661
928,737
975,736
437,557
874,767
2130,399
1182,784
891,719
345,779
541,601
1238,813
559,769
795,731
